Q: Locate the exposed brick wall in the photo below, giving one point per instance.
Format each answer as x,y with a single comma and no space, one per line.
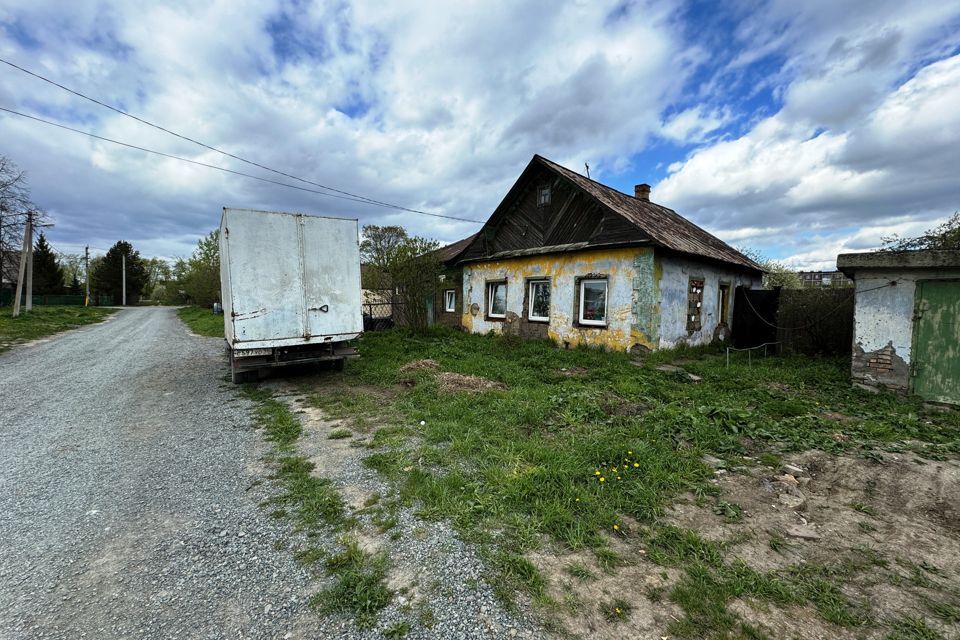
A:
880,368
453,279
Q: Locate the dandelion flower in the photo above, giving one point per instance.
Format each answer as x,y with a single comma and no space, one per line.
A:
616,527
602,479
629,453
635,464
596,473
578,499
618,477
617,610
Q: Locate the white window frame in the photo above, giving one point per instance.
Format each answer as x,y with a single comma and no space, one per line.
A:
606,300
490,289
530,286
450,300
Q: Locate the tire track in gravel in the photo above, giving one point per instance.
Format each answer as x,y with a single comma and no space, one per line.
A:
126,509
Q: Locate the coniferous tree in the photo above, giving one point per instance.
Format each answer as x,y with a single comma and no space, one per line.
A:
47,272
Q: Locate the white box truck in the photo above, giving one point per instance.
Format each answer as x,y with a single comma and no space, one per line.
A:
290,285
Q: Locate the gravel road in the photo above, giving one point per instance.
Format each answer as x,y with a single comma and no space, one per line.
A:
126,511
130,484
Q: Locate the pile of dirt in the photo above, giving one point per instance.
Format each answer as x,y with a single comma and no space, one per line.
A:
454,382
420,365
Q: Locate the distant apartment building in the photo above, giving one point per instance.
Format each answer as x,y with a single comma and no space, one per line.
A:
811,279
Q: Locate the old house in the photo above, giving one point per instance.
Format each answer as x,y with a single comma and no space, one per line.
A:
447,303
567,258
906,333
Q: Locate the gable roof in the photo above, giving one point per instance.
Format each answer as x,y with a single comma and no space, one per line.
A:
658,225
452,251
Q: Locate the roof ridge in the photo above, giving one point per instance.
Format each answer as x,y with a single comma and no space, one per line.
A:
688,237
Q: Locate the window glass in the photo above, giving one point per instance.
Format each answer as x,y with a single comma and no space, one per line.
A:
449,300
539,300
497,299
593,301
543,195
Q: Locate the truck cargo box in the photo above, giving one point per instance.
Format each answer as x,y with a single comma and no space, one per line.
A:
290,284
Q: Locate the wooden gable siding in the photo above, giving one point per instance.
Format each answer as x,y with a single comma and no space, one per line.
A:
571,217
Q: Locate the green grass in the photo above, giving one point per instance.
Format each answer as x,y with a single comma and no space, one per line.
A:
202,321
360,587
316,508
44,321
553,457
339,434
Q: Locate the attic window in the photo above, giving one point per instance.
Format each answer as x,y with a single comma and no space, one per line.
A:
543,195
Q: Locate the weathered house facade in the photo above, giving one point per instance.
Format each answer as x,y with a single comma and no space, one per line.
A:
906,331
447,300
570,259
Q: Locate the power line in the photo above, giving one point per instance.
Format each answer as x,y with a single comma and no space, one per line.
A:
224,169
359,198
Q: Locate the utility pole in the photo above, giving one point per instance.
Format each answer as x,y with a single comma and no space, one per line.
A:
123,257
30,261
27,244
86,271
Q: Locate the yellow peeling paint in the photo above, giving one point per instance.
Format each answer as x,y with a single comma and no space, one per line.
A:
563,270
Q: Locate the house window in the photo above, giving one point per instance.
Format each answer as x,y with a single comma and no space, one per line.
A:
497,299
694,304
449,300
723,303
543,195
593,302
539,301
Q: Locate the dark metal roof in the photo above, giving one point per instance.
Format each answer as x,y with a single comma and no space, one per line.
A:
665,227
452,251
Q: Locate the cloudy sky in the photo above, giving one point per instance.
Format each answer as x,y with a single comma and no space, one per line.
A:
801,129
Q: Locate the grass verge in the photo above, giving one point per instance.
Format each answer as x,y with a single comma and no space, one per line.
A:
315,507
44,321
578,447
201,321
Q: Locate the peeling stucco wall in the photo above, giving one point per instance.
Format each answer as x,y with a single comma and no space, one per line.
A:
883,325
673,286
618,265
647,297
883,315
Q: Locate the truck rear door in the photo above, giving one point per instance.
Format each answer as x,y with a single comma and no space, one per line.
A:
331,276
265,275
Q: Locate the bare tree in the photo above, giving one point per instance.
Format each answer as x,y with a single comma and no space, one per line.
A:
15,204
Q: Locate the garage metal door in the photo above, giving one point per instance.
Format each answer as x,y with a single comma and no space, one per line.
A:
935,366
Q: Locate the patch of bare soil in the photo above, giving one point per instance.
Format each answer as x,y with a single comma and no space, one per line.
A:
450,382
894,525
420,365
573,372
616,406
637,581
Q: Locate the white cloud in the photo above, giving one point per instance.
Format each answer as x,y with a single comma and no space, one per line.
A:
448,103
694,124
438,106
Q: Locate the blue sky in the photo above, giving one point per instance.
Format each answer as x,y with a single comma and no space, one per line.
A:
798,129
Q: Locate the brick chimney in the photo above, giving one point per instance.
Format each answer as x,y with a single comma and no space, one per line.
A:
642,192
